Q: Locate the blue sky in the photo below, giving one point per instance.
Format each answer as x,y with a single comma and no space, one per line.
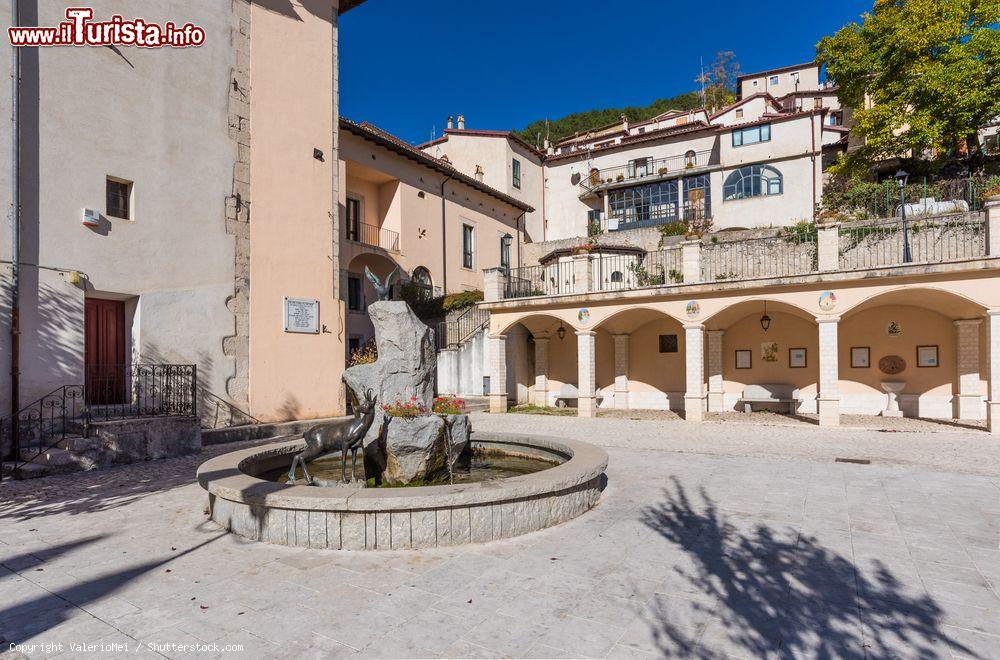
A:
408,64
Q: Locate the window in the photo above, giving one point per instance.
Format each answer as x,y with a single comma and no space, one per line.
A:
118,198
640,167
617,276
794,77
668,343
353,345
752,181
991,144
354,296
644,206
504,254
751,135
353,219
818,102
773,80
739,113
515,168
697,197
421,279
642,129
468,245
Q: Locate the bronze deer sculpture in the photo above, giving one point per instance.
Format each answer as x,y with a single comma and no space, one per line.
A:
343,435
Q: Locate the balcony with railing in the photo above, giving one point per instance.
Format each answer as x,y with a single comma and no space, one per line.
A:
372,236
789,252
645,170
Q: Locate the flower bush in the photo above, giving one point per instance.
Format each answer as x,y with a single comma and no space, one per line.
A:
448,405
364,355
407,410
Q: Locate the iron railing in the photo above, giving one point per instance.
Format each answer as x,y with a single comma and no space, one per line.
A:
789,253
549,280
654,215
644,169
664,266
372,235
217,413
926,240
43,423
614,272
461,327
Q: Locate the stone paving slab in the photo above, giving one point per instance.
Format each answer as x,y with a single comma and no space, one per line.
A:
688,554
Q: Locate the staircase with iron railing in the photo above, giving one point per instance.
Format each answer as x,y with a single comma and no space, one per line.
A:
217,413
109,393
463,326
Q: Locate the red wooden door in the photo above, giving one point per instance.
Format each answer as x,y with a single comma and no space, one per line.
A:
104,355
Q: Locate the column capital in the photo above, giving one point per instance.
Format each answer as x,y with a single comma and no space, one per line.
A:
585,333
961,322
498,336
827,319
694,326
993,312
714,332
616,335
541,339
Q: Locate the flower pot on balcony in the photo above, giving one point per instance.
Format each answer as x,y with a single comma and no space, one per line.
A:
620,177
661,171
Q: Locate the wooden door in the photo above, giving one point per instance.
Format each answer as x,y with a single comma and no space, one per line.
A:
104,358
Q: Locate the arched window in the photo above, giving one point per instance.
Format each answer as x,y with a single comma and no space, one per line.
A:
690,158
752,181
421,278
616,276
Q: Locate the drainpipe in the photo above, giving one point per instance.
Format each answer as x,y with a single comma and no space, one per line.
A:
444,240
15,311
812,134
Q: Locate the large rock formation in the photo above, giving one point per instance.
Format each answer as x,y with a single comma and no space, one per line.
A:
404,450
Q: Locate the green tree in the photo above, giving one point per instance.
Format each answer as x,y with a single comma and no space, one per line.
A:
919,74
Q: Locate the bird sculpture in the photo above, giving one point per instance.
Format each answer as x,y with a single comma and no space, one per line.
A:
383,289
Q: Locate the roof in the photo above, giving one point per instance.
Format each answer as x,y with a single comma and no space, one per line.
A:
740,102
767,118
670,131
780,69
348,5
510,135
376,135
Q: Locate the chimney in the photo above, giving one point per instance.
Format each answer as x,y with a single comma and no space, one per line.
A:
547,146
625,122
461,122
479,173
451,122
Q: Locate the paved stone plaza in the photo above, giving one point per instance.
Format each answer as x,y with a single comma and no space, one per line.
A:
717,540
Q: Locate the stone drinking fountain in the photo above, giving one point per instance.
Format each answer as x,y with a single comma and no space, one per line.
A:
428,479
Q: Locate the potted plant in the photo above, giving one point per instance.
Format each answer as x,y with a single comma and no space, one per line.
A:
661,171
620,177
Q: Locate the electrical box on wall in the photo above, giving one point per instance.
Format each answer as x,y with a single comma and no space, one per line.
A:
91,218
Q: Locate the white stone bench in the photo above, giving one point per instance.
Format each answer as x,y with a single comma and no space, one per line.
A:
771,393
569,393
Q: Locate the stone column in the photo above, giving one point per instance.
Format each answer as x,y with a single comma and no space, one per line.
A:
970,398
829,372
715,394
828,246
586,374
498,373
691,261
541,371
605,200
694,361
993,375
581,273
621,371
993,227
494,284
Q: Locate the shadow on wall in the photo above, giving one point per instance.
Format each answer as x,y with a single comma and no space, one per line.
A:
319,8
772,591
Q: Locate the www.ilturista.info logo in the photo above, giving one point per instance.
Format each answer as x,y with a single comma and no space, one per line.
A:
80,30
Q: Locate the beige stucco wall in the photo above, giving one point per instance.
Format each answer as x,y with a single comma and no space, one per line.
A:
808,79
158,119
293,230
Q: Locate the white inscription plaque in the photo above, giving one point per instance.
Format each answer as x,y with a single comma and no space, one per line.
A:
301,315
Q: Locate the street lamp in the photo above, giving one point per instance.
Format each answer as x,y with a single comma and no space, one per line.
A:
901,177
765,321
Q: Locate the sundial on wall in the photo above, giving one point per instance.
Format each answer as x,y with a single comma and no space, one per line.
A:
892,365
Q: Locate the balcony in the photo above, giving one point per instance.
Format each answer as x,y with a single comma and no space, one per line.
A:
645,170
372,236
784,253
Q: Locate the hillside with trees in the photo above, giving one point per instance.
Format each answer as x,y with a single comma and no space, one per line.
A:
719,81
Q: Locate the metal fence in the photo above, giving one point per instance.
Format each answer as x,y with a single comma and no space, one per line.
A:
121,391
549,280
217,413
925,240
615,272
925,197
789,253
640,169
462,326
372,235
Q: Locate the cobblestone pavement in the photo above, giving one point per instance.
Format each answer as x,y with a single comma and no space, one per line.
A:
687,554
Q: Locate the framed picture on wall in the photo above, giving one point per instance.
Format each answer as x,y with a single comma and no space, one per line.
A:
744,359
927,356
668,343
797,358
861,357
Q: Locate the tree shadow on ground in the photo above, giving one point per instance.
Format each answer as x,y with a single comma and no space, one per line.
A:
769,592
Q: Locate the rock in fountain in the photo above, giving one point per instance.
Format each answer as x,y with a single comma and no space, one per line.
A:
405,450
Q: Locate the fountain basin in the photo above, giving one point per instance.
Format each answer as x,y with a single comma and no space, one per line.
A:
397,518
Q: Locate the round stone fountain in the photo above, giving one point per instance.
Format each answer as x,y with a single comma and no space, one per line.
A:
438,482
244,499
